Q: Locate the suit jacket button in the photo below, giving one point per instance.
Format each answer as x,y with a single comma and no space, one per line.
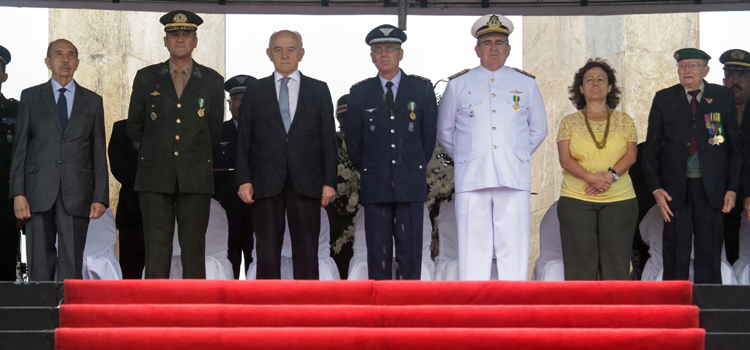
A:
59,162
177,153
393,161
287,139
365,169
393,145
523,159
393,131
179,121
465,161
420,167
179,105
176,137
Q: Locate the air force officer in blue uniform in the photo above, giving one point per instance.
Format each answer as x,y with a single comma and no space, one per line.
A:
390,136
491,120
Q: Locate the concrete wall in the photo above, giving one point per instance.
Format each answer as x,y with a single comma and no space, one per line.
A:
639,47
114,45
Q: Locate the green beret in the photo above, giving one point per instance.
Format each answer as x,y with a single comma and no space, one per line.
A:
688,53
181,20
735,59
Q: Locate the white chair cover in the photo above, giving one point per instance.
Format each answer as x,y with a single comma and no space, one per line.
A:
447,259
218,266
99,260
358,263
741,267
652,228
327,268
549,266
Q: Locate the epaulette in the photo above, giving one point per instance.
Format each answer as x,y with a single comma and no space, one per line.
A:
361,81
423,78
524,73
454,76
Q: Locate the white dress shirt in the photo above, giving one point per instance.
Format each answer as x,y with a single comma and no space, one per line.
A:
69,94
293,85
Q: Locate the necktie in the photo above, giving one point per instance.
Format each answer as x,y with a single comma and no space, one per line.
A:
284,103
694,108
62,108
389,95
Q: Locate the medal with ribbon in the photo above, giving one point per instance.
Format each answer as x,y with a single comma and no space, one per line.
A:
516,107
201,111
715,129
412,106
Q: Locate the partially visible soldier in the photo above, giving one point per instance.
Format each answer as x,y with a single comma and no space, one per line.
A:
736,77
10,236
341,108
390,135
238,212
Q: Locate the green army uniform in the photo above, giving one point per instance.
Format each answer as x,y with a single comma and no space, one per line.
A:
174,137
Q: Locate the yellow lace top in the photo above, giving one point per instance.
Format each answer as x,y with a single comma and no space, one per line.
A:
584,151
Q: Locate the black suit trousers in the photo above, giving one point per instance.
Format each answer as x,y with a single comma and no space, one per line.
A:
159,211
695,217
132,250
389,222
42,229
304,229
240,241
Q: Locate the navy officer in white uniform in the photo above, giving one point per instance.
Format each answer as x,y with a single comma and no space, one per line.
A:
390,135
491,119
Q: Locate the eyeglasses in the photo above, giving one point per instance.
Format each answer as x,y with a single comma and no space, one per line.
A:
499,43
389,49
692,65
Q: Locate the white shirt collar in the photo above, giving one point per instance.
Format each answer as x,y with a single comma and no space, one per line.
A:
70,87
295,76
396,80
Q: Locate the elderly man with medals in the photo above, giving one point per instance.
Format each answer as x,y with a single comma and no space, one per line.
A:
491,119
390,135
692,163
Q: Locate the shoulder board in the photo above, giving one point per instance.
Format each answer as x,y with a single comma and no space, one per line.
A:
524,73
419,77
454,76
361,81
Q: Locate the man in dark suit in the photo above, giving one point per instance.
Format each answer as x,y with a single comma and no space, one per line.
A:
238,212
123,161
286,159
692,162
174,120
390,135
10,235
58,176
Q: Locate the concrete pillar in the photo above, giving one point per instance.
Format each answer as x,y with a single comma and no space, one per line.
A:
639,47
114,45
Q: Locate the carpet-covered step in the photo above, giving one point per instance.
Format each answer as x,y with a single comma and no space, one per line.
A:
377,292
377,338
485,316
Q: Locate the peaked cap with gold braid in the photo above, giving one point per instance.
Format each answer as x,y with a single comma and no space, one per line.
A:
492,23
735,59
181,20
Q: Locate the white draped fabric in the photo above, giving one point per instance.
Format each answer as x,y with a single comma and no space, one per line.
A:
99,260
327,269
652,228
218,266
549,266
358,263
742,265
447,260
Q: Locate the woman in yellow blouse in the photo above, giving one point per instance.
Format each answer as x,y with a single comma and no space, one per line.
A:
597,208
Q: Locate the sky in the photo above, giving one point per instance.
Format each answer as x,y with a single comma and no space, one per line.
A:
437,46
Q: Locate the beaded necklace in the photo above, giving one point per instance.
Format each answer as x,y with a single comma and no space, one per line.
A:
603,142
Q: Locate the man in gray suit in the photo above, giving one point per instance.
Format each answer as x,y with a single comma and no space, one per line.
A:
58,175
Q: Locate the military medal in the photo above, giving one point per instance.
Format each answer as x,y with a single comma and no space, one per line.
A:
516,107
411,126
155,93
201,111
9,137
412,106
153,115
715,129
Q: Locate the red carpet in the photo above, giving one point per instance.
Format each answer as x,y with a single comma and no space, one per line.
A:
183,314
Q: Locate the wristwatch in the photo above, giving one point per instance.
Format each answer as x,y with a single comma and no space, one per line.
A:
614,173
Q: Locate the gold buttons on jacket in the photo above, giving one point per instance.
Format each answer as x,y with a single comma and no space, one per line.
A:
492,80
495,147
176,137
494,128
493,111
523,159
493,95
177,153
179,105
179,121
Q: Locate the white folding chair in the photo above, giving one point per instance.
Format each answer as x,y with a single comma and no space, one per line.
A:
741,267
549,266
99,260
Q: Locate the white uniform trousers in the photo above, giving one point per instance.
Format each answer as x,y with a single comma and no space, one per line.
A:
493,220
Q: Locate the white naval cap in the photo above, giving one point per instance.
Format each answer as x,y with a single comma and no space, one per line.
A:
492,23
